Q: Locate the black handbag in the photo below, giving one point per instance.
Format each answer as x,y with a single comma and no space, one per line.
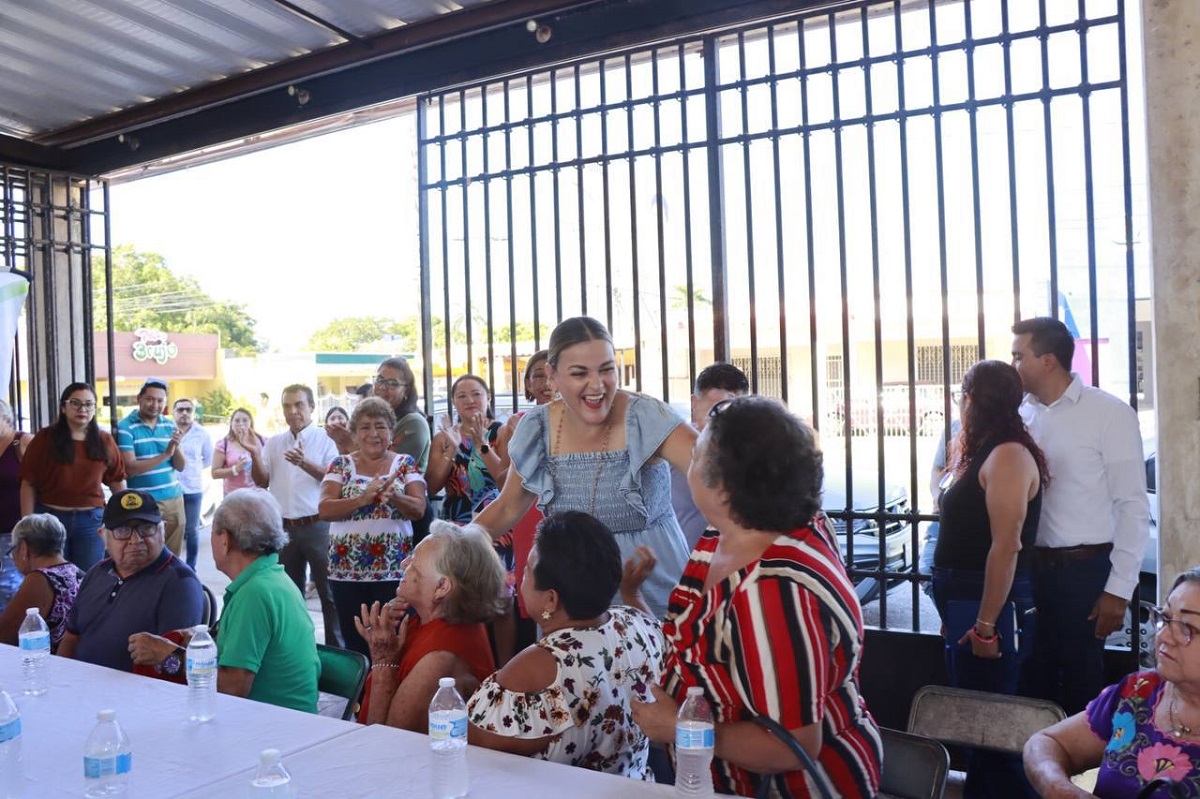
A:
776,729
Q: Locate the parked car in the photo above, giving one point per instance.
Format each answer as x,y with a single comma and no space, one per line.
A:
862,538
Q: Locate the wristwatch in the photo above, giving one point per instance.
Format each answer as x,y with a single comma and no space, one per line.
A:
484,449
172,664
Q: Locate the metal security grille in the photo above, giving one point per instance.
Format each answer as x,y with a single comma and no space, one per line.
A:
50,226
846,201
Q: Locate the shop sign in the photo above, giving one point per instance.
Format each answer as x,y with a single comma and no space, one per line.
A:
152,345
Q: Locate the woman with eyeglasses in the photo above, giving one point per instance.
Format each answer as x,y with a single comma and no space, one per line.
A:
50,581
63,470
1144,728
13,444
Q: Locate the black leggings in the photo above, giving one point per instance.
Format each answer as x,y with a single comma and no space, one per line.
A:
349,596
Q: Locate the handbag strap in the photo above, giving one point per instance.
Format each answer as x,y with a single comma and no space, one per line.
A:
1151,789
814,771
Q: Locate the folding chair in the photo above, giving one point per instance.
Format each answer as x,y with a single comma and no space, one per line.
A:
979,719
914,767
343,673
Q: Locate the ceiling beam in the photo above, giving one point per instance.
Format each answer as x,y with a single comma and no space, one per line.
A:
18,151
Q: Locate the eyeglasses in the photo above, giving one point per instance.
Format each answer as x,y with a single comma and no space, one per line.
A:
80,405
390,382
144,531
1160,619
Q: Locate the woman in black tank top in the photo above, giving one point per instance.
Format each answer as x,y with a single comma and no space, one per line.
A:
991,500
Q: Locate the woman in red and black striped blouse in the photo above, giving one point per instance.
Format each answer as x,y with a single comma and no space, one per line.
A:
764,618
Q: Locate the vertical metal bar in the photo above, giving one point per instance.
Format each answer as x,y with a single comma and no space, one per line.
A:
1089,198
109,309
89,326
514,368
973,121
684,98
1127,191
445,191
748,193
660,224
633,228
877,300
425,283
69,252
941,190
909,331
1010,130
780,272
716,199
604,166
579,196
557,201
489,311
1051,215
533,229
468,321
817,354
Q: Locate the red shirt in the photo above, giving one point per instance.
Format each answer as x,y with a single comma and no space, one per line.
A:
70,485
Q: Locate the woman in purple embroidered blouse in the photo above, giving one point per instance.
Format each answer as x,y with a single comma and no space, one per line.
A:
1144,728
51,581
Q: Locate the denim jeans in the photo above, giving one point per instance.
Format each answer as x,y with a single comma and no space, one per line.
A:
993,775
1067,664
349,596
191,526
10,578
84,547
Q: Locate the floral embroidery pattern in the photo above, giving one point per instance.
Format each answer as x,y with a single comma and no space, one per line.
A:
377,537
588,708
1163,760
1124,728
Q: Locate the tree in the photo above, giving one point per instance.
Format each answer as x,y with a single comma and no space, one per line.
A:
349,333
146,293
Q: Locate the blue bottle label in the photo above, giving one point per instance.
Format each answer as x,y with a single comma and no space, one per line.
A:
10,730
31,642
698,737
95,767
444,729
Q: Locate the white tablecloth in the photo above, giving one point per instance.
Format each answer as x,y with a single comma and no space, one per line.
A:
171,755
381,762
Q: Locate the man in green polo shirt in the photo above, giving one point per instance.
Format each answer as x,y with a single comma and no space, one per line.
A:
266,648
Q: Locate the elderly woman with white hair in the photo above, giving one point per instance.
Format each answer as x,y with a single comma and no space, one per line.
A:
266,648
50,581
12,449
452,586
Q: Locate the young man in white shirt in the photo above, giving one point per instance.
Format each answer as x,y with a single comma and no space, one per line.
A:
1095,520
292,467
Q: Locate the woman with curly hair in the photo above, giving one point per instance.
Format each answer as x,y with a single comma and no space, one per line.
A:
991,500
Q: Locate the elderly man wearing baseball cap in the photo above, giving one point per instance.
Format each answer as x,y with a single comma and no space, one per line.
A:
141,586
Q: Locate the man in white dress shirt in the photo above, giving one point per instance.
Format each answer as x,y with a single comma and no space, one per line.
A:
1095,520
292,466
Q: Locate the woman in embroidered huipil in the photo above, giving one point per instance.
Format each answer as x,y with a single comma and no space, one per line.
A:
370,498
1144,728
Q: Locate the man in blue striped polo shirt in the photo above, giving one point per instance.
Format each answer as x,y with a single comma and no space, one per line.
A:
149,443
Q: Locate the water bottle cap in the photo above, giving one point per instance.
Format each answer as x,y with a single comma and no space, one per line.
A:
269,757
106,715
32,611
446,682
695,690
200,628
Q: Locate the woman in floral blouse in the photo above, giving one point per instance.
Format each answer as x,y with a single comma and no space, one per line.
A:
1144,728
567,697
370,497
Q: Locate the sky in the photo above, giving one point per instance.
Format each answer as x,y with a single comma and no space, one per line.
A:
301,234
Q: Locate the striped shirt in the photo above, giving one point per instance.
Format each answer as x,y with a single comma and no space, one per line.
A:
144,441
782,637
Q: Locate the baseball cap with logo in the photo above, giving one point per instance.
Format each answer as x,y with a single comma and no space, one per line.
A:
129,505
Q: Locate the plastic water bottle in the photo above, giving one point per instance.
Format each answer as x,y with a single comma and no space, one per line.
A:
34,638
201,675
694,741
11,777
448,741
271,778
107,759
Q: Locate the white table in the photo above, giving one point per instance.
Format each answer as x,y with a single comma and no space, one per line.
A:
170,754
379,762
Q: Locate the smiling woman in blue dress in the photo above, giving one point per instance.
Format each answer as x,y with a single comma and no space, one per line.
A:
600,450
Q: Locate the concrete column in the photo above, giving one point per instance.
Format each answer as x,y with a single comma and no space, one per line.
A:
1171,29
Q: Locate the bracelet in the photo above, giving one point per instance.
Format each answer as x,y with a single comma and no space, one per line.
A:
985,639
385,665
991,624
